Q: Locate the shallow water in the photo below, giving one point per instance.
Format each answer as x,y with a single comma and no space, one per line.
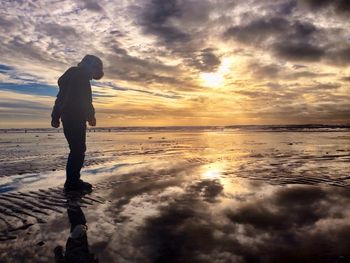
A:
217,196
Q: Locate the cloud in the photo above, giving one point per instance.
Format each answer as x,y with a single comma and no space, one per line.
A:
299,52
60,32
264,71
340,57
19,82
5,69
206,60
338,6
179,26
158,51
269,28
289,40
283,212
92,5
292,40
157,20
30,88
133,69
118,88
258,30
6,23
260,71
22,105
292,223
346,78
285,8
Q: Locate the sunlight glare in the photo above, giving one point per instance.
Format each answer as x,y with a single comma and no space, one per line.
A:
217,79
212,79
211,174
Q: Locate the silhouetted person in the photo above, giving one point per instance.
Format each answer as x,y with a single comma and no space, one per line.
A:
77,247
74,107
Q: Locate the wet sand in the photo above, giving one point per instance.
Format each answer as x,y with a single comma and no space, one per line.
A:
203,196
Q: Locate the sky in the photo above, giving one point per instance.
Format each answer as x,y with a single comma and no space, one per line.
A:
173,62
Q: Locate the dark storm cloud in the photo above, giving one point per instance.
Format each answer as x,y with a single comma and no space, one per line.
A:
258,30
339,57
180,27
339,6
299,51
268,29
302,30
156,20
290,40
206,60
285,8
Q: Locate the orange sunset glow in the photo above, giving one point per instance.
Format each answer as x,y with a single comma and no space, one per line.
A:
180,62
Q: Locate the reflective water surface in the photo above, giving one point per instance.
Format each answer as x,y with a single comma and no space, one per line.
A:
184,197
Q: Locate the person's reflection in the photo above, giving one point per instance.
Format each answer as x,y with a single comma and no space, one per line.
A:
77,247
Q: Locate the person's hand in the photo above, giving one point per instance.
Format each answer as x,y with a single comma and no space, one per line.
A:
92,122
55,123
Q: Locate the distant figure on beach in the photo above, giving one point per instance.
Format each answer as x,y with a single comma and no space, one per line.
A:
74,107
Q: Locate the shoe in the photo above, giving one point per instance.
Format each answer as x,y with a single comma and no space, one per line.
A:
79,186
84,185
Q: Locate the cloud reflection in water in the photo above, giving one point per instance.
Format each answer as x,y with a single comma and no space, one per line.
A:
210,220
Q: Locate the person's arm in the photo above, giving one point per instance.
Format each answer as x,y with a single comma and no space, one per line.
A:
57,108
56,111
92,120
91,110
91,115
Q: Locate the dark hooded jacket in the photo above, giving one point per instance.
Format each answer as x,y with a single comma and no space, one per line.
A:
74,99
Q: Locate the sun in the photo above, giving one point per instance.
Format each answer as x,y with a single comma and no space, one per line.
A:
217,79
212,79
211,174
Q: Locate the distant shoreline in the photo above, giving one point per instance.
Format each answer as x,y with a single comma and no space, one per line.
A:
261,128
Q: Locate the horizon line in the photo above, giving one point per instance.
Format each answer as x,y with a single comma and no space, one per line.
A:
193,126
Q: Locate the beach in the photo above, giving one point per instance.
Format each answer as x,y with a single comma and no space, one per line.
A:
223,194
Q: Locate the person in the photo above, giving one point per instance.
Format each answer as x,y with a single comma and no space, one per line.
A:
74,107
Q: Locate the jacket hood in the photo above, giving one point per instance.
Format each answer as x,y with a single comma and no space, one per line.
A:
94,65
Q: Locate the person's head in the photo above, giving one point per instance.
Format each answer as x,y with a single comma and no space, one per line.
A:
94,65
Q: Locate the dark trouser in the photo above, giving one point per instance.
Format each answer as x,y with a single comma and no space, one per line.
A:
75,133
